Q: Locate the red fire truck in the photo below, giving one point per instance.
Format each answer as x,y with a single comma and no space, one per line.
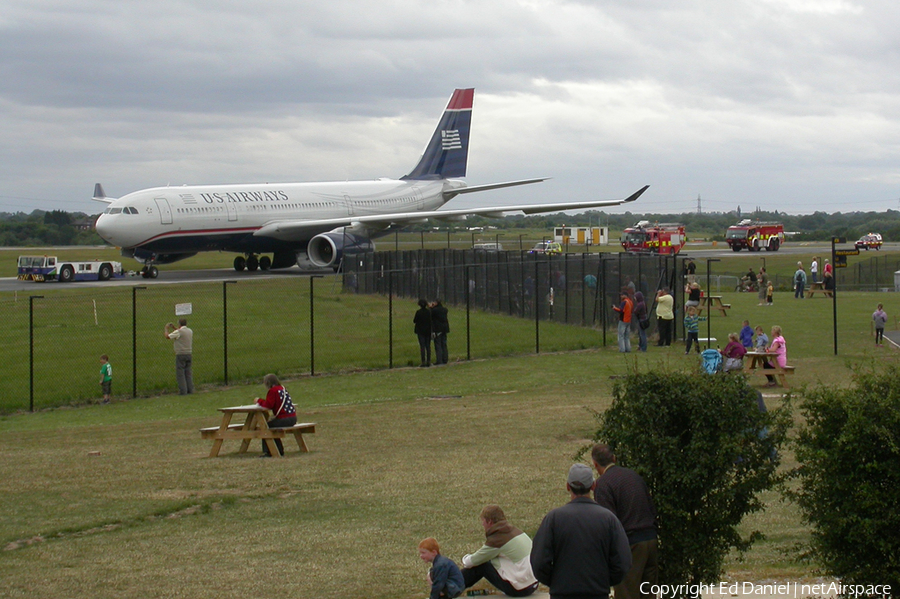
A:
755,235
659,238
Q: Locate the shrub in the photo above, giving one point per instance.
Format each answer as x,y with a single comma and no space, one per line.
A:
706,451
849,454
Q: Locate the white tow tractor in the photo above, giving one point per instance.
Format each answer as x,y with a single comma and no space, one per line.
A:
49,268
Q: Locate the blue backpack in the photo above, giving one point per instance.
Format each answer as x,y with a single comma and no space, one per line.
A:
712,360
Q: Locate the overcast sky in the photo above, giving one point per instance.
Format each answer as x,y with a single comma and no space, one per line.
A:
783,104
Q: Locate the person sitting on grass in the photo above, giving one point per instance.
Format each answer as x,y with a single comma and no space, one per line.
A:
444,576
278,401
734,353
505,558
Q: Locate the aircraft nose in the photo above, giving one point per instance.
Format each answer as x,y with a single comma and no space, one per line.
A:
104,229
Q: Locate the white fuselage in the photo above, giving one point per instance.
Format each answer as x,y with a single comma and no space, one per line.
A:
206,217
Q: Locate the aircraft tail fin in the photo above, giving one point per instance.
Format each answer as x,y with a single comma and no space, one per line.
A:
447,153
100,195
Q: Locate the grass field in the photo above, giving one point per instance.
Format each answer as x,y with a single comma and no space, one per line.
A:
399,455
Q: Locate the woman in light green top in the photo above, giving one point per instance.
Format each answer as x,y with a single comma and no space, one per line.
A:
665,316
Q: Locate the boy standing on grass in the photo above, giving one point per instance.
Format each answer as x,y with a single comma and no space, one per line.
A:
770,293
692,329
444,576
105,377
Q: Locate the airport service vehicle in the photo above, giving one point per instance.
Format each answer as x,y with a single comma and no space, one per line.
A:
755,235
49,268
546,247
312,225
870,241
660,238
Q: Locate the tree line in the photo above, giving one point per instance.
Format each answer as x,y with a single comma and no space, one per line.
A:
58,227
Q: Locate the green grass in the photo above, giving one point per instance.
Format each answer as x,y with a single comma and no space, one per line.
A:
399,455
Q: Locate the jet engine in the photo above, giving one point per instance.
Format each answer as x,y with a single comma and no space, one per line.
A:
327,249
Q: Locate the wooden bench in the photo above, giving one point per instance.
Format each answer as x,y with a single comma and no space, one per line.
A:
779,373
713,302
237,431
818,287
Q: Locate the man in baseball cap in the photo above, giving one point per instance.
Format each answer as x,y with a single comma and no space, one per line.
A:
580,548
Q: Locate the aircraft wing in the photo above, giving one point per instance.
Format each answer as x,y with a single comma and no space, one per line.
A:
295,229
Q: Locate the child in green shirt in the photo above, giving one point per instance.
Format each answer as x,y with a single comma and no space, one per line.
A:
105,377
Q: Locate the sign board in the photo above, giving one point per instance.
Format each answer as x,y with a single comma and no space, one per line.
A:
854,252
183,309
840,261
838,240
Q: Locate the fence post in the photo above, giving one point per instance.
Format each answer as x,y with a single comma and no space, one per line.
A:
468,309
225,328
134,291
390,319
537,308
312,326
31,299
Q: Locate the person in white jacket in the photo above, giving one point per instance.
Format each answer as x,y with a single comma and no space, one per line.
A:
505,558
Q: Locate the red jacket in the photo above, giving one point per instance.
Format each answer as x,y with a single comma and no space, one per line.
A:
279,401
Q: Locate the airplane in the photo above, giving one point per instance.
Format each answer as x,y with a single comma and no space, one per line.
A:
313,225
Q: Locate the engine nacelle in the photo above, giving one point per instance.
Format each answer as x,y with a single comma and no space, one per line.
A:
327,249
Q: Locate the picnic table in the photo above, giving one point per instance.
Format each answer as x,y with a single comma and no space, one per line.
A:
255,426
713,302
754,363
818,287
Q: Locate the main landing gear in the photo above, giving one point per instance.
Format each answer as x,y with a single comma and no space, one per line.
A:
149,272
252,263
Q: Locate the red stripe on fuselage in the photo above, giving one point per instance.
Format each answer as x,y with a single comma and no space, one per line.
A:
461,99
190,233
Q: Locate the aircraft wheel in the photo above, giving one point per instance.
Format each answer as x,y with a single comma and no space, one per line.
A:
240,263
152,272
265,263
252,263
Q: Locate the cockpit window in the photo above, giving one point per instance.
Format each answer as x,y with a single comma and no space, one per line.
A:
115,210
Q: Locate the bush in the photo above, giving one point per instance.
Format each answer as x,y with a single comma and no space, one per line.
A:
706,451
849,454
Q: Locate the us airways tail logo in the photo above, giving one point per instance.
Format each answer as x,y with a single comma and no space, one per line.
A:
450,140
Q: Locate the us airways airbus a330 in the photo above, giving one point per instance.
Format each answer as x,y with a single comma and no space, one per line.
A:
312,225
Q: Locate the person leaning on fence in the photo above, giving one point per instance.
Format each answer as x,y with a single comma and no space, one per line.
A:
183,339
440,328
106,377
422,328
665,316
278,401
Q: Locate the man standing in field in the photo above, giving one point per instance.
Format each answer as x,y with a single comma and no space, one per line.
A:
623,492
580,549
183,338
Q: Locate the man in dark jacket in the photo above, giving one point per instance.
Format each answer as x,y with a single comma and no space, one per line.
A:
623,492
422,327
580,549
440,328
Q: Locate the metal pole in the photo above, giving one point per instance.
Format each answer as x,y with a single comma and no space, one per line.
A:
225,328
709,261
312,326
134,340
390,319
31,299
834,292
468,310
537,308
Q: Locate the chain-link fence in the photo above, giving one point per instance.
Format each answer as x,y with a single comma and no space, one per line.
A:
501,303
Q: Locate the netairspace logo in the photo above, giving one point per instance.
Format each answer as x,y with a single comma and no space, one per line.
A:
789,590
